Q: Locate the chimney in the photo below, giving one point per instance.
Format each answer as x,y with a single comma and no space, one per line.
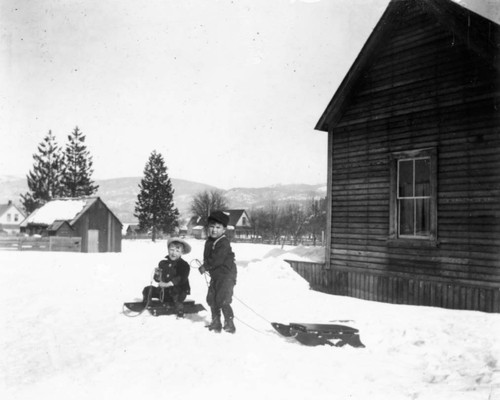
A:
9,203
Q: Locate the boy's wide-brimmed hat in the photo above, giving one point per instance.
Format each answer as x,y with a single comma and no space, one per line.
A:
186,245
219,216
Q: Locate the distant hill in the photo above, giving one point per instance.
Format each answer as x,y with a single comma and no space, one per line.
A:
120,194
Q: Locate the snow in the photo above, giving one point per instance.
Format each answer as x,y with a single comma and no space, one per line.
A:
56,210
62,335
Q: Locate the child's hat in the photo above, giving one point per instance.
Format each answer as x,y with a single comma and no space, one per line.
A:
186,245
219,216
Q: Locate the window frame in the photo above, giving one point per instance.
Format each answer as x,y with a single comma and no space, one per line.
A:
394,159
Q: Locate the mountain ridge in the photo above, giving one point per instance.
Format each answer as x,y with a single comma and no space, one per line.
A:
120,194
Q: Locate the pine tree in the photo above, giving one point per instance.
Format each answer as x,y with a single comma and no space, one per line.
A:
77,176
155,206
45,179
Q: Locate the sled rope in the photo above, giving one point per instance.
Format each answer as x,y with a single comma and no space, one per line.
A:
127,314
205,274
251,327
251,309
197,265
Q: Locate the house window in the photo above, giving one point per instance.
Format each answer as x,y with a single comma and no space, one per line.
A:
9,217
244,220
16,217
413,195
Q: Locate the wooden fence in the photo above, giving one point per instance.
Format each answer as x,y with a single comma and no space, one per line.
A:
51,243
400,288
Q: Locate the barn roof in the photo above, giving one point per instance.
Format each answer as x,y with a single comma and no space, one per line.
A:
481,34
64,209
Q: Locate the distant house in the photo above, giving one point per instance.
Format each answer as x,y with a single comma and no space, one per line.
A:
132,231
60,228
239,221
88,218
238,227
413,162
10,218
194,225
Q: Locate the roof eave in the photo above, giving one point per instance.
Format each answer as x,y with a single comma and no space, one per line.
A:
441,8
332,112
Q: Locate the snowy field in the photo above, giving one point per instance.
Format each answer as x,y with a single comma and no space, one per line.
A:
63,336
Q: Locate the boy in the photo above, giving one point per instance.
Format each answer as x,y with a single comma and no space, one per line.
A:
218,260
172,275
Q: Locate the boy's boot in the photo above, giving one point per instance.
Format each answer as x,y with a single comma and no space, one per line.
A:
216,324
229,325
228,318
179,309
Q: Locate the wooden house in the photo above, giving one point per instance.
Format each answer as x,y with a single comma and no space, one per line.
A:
88,218
61,229
414,162
239,223
132,231
195,225
10,218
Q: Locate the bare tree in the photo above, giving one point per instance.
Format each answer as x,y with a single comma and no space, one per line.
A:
292,220
205,202
316,220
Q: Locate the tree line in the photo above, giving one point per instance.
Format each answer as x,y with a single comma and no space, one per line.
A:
274,222
290,221
59,172
67,172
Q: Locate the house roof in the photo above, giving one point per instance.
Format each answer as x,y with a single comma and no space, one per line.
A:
65,209
234,216
5,207
56,225
481,34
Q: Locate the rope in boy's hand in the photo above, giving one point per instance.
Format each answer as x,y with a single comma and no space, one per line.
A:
197,265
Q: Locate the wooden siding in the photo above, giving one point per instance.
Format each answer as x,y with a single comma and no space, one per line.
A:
399,288
98,217
424,89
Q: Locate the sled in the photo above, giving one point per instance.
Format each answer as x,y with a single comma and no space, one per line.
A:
320,334
157,308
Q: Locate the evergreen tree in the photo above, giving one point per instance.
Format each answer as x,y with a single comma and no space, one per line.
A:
45,179
155,202
78,167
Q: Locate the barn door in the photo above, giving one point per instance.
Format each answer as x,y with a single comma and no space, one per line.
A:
93,241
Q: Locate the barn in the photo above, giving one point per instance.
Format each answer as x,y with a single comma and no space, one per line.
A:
88,218
414,163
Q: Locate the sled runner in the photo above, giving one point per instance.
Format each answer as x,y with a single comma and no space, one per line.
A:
158,308
320,334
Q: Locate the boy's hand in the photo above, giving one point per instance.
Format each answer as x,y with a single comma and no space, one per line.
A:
157,275
202,270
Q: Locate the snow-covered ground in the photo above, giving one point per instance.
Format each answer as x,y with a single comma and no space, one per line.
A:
63,336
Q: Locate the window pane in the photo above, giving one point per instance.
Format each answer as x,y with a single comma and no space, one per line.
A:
423,217
422,177
405,184
406,217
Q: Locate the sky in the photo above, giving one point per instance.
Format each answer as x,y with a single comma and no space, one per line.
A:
229,92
